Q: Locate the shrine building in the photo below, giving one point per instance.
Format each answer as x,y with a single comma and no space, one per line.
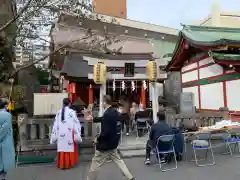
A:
208,59
136,44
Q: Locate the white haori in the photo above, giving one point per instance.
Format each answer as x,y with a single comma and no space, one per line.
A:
62,132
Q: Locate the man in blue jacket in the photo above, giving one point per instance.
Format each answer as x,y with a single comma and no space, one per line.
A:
107,142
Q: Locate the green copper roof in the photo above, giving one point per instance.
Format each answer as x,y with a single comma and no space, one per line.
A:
210,36
206,39
223,56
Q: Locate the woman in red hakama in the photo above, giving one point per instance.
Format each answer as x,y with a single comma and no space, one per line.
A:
66,134
67,160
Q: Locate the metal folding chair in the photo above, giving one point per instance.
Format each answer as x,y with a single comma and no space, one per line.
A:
233,138
203,144
168,142
144,125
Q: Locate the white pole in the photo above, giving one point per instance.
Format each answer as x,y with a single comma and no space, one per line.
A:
154,102
102,93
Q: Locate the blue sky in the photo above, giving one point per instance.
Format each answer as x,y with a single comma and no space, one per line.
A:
171,13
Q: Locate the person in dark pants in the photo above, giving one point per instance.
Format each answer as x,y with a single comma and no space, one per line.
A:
178,142
124,117
107,143
158,129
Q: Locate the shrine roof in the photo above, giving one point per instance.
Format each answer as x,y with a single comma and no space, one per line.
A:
227,60
225,57
197,39
210,36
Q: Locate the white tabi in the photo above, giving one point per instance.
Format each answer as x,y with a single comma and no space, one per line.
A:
62,131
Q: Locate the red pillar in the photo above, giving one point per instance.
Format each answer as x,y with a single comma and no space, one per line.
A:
68,89
143,96
90,94
71,89
74,95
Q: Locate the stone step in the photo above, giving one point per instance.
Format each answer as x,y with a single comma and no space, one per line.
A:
85,151
133,153
128,147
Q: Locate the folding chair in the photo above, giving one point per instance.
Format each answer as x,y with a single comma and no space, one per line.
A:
141,124
233,138
166,141
202,142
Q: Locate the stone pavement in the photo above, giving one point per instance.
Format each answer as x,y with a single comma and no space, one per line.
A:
225,168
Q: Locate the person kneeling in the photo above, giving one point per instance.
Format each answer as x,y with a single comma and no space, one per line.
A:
158,129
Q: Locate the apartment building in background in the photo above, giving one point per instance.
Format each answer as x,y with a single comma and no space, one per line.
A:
32,52
115,8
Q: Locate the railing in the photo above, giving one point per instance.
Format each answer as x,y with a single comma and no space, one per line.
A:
34,133
198,119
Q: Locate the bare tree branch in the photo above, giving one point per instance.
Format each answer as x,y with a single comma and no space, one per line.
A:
45,57
35,16
16,17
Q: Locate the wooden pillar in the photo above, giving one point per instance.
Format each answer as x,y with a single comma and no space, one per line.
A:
68,89
74,95
143,93
143,96
90,95
71,89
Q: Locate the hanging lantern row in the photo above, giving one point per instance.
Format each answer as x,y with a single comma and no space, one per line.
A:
144,85
152,70
114,85
133,85
100,73
123,85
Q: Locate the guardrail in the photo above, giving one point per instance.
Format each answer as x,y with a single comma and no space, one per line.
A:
34,133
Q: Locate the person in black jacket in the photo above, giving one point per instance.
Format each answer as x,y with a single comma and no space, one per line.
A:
158,129
107,142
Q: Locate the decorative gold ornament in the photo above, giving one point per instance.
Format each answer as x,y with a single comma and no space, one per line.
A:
100,73
152,70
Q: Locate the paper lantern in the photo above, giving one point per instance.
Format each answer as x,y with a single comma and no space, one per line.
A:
99,73
152,70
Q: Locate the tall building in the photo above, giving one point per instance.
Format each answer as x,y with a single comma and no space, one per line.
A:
33,49
115,8
219,18
32,52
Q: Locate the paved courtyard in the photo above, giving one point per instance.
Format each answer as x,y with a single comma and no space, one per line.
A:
225,168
